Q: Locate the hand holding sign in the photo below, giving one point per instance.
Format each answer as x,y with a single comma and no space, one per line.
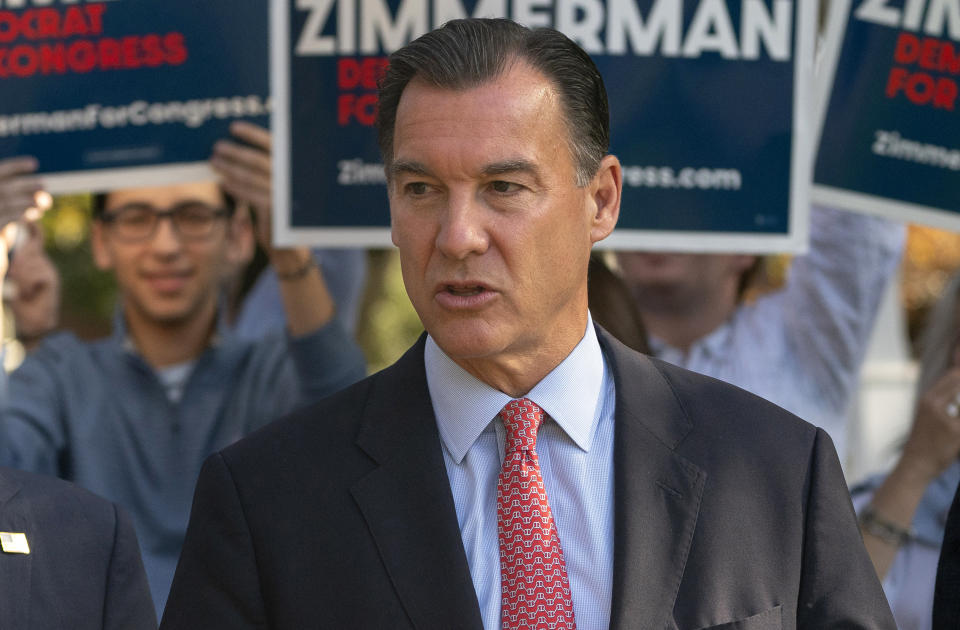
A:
245,171
33,287
18,191
934,441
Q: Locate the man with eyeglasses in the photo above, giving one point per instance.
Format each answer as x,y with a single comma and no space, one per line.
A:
133,416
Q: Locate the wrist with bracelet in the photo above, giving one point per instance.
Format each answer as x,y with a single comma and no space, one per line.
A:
877,525
299,272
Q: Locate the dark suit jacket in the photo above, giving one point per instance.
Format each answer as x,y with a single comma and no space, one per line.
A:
729,512
83,571
946,594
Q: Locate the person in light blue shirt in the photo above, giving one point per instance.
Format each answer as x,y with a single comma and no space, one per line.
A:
800,346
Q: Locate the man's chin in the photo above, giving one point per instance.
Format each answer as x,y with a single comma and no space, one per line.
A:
170,313
465,342
168,319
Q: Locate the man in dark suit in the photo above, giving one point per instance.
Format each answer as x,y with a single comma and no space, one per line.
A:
68,559
518,467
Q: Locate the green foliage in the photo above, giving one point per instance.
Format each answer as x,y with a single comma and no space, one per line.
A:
88,294
388,324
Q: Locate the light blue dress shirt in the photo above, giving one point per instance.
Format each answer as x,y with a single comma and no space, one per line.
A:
802,347
575,447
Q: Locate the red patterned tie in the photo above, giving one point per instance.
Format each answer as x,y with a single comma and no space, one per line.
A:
535,592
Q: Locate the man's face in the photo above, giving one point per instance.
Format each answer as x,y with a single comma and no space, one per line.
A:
166,279
668,281
494,235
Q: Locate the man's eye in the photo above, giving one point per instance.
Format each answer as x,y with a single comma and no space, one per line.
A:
503,187
134,216
196,214
417,188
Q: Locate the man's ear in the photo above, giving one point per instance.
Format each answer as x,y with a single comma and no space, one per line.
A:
241,241
605,190
102,256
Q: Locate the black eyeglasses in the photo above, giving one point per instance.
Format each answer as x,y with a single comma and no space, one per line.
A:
192,220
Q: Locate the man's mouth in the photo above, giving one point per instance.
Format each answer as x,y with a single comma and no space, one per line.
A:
467,295
465,291
166,282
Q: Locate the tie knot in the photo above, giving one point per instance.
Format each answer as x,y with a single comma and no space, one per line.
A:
522,418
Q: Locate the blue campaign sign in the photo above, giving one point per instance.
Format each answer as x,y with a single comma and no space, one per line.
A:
890,140
708,100
132,91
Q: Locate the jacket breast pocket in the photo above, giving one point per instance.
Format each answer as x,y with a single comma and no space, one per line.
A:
767,620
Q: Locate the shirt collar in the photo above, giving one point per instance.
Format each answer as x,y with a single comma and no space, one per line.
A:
712,344
465,406
122,339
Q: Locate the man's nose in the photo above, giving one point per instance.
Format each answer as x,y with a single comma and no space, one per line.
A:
166,240
462,229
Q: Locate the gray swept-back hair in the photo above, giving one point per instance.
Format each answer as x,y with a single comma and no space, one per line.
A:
463,54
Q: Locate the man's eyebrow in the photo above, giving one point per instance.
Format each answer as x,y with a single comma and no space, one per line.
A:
408,167
518,165
511,166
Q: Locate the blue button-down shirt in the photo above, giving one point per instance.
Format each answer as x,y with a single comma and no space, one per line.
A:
575,448
97,414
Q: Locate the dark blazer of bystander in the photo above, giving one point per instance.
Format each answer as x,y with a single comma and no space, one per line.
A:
946,593
68,559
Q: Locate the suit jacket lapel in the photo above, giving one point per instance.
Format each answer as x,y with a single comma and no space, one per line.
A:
656,492
408,504
14,568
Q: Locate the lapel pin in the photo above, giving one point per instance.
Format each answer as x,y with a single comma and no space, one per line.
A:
14,542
